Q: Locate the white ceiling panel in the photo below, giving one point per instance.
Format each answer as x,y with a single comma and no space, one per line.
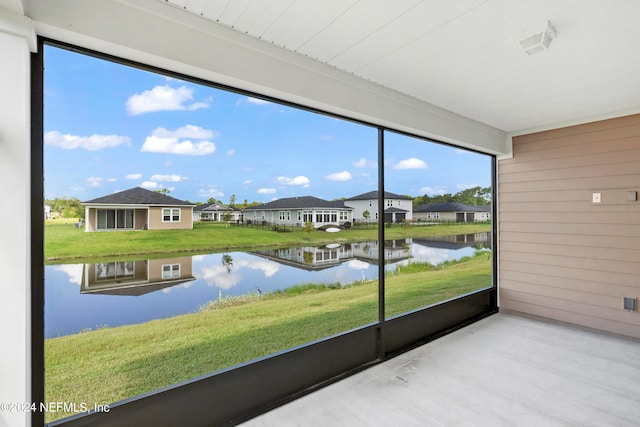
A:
462,55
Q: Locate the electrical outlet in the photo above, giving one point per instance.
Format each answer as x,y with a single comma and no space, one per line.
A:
596,197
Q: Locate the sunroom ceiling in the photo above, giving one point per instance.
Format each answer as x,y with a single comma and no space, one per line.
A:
463,55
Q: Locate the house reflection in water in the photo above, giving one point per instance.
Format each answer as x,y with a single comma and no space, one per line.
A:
314,258
457,241
135,278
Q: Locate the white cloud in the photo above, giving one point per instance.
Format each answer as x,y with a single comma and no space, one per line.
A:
112,179
364,163
210,192
167,141
133,176
92,143
248,181
74,271
432,190
466,186
339,176
163,98
150,185
167,178
266,191
298,180
411,163
94,181
219,276
231,152
257,101
187,131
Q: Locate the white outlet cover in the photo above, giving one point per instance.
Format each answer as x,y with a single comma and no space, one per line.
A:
596,197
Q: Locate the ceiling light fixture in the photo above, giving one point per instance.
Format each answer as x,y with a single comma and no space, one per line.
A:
538,41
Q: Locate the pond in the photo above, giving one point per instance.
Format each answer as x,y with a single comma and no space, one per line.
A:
81,297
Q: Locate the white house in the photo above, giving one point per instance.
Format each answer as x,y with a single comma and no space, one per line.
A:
396,208
216,212
296,211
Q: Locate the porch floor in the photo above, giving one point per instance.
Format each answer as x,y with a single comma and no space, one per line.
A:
505,370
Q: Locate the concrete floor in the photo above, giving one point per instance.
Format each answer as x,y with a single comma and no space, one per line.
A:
505,370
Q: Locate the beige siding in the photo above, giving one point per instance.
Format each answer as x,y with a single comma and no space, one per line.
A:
155,267
562,256
156,223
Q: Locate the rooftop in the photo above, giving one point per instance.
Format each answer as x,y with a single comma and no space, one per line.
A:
137,196
299,203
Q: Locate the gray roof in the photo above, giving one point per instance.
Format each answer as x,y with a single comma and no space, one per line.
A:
303,202
137,196
374,195
451,207
394,209
214,207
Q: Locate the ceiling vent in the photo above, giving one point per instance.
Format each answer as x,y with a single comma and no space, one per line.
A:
538,41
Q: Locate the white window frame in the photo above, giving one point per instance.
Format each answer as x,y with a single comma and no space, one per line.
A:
172,214
171,271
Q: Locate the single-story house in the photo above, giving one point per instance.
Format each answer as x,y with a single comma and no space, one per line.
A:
397,208
135,278
299,210
137,208
216,212
452,212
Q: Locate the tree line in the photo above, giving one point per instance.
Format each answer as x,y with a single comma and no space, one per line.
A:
476,196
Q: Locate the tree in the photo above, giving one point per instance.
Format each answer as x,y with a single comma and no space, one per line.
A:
164,191
366,215
471,196
66,207
308,227
226,217
227,262
232,200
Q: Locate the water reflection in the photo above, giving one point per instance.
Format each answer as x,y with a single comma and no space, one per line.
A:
135,277
89,296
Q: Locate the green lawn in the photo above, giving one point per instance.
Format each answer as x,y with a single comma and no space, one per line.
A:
111,364
64,242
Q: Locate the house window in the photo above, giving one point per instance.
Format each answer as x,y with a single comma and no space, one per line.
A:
389,202
299,215
334,216
170,271
307,216
344,216
114,219
285,216
171,215
114,270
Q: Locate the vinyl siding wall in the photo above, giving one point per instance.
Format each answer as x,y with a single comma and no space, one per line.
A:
561,255
156,223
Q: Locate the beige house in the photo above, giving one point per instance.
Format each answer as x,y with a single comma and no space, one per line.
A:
137,209
135,278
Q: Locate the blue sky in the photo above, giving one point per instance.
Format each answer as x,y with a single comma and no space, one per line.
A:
109,127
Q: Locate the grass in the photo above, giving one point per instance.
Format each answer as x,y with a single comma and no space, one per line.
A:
112,364
64,242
